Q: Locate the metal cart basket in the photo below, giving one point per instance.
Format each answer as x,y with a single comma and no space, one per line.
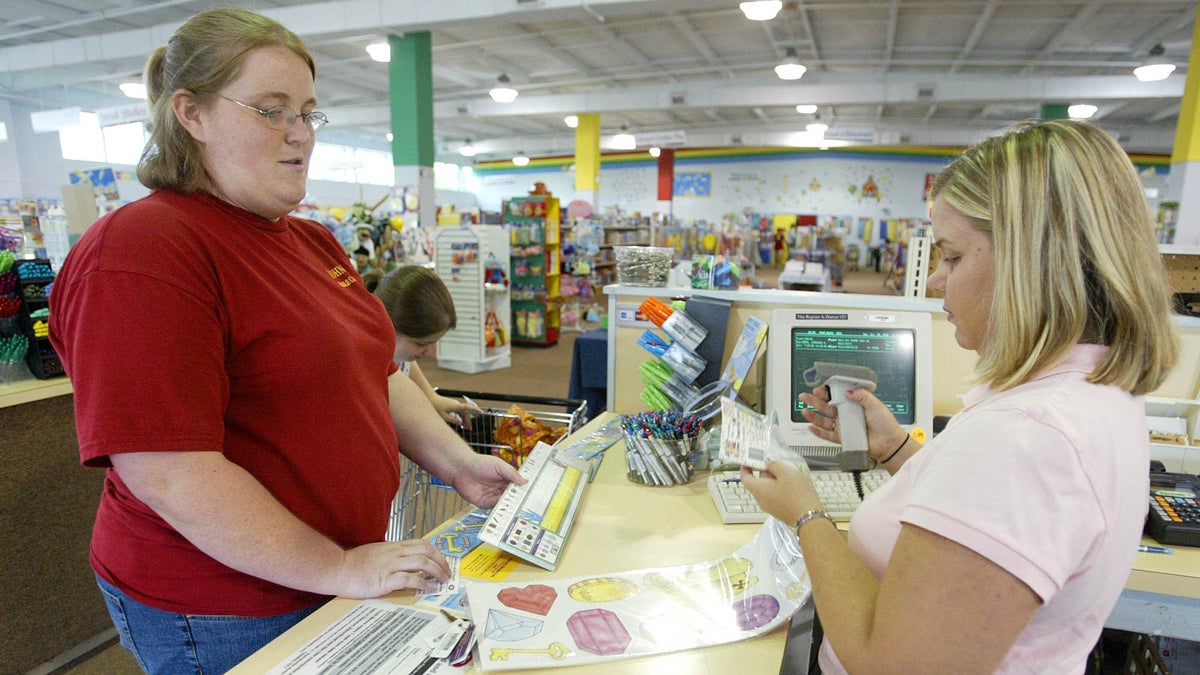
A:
423,502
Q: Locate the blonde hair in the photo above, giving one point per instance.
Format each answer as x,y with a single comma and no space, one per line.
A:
1075,254
205,54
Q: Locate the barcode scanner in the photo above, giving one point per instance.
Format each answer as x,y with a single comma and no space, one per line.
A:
840,378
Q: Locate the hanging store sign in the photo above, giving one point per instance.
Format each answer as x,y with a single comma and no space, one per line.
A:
123,114
864,136
661,139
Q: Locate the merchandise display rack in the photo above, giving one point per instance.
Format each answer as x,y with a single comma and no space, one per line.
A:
36,277
472,261
533,225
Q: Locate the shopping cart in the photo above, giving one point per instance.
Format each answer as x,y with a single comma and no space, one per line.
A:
423,502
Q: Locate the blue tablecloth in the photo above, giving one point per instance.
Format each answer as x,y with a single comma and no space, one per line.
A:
589,371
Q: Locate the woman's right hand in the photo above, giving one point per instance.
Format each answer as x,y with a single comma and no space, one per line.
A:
376,569
884,433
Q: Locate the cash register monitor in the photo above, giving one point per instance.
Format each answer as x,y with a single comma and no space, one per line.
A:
896,345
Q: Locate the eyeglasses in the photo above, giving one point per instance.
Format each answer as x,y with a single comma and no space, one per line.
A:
281,117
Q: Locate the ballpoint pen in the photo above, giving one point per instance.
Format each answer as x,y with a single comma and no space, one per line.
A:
1154,549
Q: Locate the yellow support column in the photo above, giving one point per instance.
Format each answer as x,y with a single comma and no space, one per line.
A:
587,160
1184,185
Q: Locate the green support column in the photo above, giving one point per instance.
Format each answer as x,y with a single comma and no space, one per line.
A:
410,89
1055,111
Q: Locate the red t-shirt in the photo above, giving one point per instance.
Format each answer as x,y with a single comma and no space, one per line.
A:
187,324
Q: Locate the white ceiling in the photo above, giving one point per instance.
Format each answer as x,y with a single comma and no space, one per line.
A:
913,72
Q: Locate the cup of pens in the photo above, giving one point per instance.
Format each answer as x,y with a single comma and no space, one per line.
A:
660,447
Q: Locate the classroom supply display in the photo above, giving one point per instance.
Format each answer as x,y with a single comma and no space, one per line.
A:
532,521
660,447
606,617
643,265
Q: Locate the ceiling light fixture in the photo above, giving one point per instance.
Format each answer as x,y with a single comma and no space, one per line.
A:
817,127
1081,111
806,108
380,51
1154,68
503,91
389,137
571,121
468,150
133,89
790,69
761,10
520,159
655,152
624,140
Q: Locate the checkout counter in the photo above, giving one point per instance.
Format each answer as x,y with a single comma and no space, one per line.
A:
612,532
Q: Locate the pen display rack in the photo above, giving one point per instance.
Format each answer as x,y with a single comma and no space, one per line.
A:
660,447
34,279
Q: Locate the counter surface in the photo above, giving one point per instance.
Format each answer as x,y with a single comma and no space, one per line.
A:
33,390
624,526
620,526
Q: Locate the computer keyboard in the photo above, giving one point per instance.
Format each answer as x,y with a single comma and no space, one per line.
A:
835,488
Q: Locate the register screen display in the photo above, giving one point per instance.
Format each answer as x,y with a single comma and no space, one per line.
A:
888,352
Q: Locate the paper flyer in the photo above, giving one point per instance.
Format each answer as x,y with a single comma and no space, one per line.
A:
566,622
375,638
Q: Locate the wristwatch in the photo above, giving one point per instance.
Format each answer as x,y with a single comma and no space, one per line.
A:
811,515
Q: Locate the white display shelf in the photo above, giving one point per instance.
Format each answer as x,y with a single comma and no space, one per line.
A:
461,257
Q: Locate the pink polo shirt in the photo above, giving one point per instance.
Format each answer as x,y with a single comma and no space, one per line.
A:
1047,480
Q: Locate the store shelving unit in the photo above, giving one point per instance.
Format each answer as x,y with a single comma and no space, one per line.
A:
36,277
1185,456
467,258
533,225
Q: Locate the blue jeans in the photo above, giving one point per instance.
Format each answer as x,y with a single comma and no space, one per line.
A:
169,642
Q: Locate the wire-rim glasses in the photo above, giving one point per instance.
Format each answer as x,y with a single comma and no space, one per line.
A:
282,117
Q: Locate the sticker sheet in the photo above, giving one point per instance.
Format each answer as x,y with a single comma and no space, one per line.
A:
565,622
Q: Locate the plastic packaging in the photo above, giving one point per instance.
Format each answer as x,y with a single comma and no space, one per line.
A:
685,363
675,323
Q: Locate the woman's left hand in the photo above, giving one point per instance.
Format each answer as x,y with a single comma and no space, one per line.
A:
455,411
782,490
484,478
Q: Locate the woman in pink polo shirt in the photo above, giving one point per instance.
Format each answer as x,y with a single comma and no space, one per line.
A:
1003,544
